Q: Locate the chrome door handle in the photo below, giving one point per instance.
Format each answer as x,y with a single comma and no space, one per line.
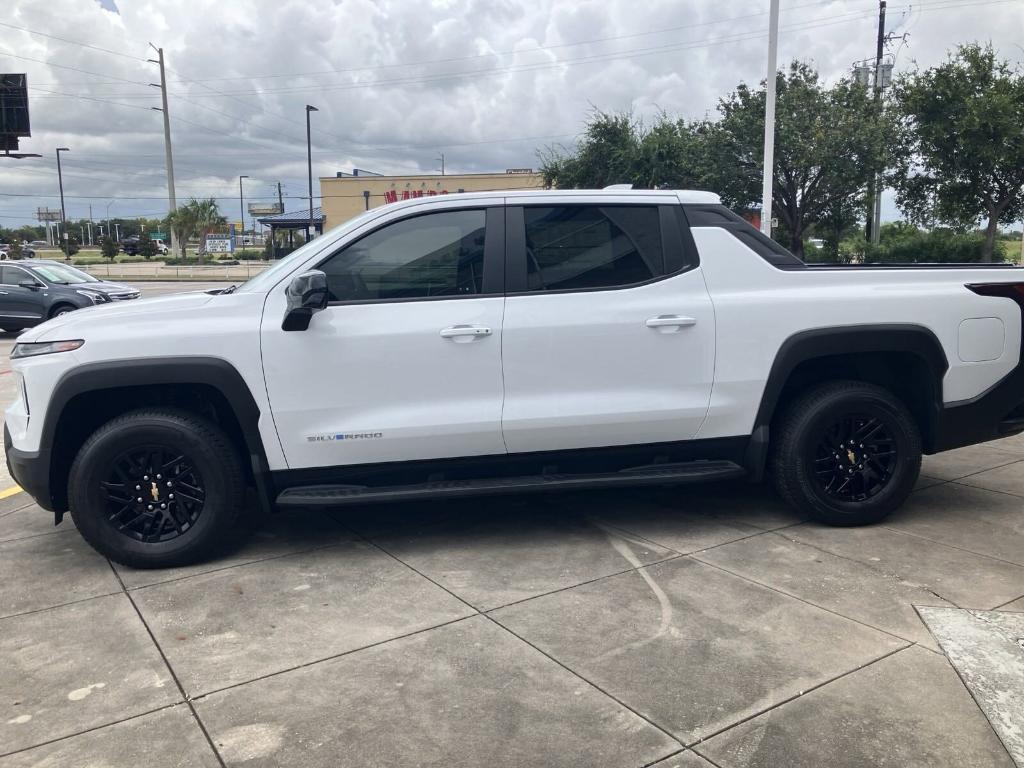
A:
670,321
455,331
4,293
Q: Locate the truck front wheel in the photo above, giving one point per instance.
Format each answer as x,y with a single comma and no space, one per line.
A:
846,453
156,488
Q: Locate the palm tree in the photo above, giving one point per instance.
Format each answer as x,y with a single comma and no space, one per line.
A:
183,226
206,217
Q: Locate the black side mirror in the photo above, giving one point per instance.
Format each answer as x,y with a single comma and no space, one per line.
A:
30,284
307,293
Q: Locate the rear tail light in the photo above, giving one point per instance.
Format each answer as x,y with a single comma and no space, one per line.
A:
1013,291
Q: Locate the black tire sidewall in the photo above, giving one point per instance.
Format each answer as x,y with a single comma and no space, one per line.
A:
93,465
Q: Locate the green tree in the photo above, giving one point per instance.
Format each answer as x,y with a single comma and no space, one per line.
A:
962,142
206,217
109,247
147,248
15,251
828,143
182,223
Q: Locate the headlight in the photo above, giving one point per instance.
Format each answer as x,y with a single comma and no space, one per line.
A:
33,349
93,296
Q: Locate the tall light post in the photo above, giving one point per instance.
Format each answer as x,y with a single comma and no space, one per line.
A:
241,205
63,217
309,168
108,217
769,119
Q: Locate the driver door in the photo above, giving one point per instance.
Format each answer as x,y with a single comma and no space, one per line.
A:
23,305
405,361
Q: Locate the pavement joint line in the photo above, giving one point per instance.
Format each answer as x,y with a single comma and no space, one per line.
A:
99,727
693,747
679,551
1015,460
167,663
37,535
805,601
669,756
874,567
6,493
970,693
332,657
591,683
501,626
984,488
951,546
232,566
28,503
1003,605
58,605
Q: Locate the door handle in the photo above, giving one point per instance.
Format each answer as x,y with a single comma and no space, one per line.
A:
4,293
670,321
456,331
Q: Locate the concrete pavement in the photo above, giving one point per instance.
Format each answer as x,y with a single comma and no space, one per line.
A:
687,627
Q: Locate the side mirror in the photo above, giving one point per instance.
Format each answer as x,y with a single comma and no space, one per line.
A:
307,293
32,285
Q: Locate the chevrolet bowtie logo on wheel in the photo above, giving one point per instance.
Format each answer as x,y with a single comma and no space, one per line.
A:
154,492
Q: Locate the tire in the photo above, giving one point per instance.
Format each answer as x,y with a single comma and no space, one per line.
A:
820,472
195,457
61,309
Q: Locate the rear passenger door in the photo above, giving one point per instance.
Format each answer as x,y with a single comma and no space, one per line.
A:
609,331
19,306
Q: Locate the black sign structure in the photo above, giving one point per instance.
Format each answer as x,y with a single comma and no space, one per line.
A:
14,122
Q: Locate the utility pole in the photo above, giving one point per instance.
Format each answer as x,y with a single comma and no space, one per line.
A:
280,197
875,207
90,225
63,218
441,158
241,205
769,119
171,202
310,230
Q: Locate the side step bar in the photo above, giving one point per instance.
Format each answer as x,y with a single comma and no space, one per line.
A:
654,474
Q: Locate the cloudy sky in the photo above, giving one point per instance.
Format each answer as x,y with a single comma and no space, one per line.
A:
397,82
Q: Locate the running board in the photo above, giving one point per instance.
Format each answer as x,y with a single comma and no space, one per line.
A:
654,474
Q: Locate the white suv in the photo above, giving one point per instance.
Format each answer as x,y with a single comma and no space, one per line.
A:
512,341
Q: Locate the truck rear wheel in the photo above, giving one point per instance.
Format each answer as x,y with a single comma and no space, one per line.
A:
846,453
156,488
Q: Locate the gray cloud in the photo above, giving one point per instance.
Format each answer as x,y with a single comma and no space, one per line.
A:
487,82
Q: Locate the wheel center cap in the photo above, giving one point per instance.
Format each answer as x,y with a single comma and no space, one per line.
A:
154,492
851,456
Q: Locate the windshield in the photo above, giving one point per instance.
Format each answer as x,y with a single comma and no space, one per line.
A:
62,274
268,277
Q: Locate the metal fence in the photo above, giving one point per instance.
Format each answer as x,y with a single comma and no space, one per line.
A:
158,271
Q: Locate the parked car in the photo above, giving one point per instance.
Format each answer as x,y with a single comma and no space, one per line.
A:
40,244
33,291
502,342
130,245
26,252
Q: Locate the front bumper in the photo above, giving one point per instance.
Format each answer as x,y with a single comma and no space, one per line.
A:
30,470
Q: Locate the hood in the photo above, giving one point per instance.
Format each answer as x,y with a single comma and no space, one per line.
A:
77,324
104,287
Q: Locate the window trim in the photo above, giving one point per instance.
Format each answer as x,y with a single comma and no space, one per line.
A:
677,247
720,217
494,256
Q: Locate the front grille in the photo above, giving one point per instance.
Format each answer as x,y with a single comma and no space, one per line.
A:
123,296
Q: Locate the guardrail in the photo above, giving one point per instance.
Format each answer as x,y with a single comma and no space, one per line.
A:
159,271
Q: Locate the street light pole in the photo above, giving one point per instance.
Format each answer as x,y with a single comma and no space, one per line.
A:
309,167
63,217
769,119
241,205
168,155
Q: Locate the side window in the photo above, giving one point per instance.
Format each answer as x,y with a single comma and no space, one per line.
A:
13,275
437,254
588,246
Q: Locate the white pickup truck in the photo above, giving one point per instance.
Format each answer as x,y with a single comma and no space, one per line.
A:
505,342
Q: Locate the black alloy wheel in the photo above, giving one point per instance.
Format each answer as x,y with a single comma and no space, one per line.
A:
153,493
855,457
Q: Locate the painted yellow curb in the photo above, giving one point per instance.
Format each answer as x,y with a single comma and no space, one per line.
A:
6,493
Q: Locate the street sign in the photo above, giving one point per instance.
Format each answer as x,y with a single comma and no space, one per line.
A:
220,243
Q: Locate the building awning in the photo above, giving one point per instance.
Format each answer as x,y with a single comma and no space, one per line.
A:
293,218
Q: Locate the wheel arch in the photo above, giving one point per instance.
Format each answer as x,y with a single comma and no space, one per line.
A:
907,359
91,394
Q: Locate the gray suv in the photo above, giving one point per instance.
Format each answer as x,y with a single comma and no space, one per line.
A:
33,291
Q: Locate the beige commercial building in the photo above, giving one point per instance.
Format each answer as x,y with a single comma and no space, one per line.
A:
346,196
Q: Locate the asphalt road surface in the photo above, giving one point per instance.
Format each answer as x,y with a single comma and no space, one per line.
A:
7,390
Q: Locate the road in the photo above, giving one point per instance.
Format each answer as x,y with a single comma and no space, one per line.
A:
7,340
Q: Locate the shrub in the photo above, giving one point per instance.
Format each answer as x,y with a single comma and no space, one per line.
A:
147,248
109,247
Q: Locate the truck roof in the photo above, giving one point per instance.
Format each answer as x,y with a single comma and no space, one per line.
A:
684,196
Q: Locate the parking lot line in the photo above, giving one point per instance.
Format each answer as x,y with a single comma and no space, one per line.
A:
6,493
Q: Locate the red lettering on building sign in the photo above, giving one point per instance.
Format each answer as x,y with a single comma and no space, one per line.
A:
391,195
